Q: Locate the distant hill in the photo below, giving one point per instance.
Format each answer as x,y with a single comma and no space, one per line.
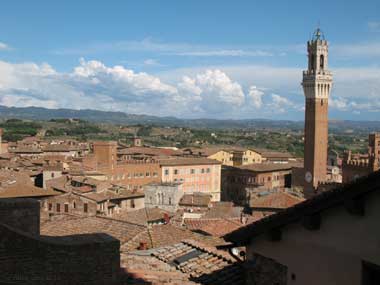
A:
38,113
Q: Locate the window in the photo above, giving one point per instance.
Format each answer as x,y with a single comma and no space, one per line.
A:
155,174
147,174
74,205
170,201
133,203
192,171
85,207
175,171
52,175
208,170
203,170
166,171
66,208
58,207
321,61
50,206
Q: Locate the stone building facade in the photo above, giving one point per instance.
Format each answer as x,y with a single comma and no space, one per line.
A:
358,165
69,203
165,196
238,182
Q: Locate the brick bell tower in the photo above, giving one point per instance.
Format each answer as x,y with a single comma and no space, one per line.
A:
317,83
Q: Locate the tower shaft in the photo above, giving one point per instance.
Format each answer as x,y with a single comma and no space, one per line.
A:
317,83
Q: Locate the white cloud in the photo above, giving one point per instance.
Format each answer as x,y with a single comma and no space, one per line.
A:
4,46
179,49
255,97
339,103
219,92
94,85
280,104
151,61
356,50
226,52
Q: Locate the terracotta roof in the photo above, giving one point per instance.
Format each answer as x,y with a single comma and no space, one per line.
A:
273,154
167,234
223,210
321,202
19,190
111,195
150,151
195,200
188,161
120,230
25,150
268,167
202,264
59,148
277,200
214,227
142,216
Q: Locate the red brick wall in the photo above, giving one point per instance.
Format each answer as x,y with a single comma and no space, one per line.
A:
30,260
22,214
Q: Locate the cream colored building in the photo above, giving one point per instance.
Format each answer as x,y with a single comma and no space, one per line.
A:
330,239
237,157
225,157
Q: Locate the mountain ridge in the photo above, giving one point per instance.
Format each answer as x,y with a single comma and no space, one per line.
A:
117,117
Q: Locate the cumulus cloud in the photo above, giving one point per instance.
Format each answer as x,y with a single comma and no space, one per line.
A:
280,104
255,97
92,84
216,92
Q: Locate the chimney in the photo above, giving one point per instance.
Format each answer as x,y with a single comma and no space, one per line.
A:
143,245
166,218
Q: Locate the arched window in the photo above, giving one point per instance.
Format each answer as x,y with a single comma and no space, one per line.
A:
321,61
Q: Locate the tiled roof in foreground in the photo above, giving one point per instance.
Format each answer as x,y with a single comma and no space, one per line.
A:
189,261
120,230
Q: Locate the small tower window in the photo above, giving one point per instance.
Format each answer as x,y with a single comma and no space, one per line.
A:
321,61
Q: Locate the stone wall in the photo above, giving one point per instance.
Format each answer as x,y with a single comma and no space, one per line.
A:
22,214
85,259
261,270
165,196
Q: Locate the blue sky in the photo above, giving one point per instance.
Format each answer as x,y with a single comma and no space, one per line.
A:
218,59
